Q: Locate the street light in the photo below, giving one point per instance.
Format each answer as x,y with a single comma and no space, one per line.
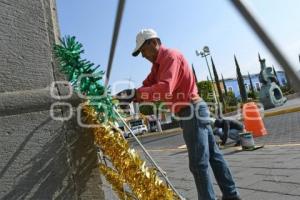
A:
204,53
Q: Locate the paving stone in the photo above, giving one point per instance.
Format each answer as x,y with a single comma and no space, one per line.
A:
256,195
296,192
272,186
295,178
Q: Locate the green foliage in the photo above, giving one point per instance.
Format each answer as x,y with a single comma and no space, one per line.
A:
224,85
251,84
205,90
241,83
82,75
252,95
275,74
153,108
146,109
217,80
230,99
286,90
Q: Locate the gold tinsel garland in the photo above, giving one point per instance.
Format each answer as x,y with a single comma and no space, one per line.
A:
117,183
144,182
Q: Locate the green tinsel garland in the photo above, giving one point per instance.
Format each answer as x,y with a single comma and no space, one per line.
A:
69,55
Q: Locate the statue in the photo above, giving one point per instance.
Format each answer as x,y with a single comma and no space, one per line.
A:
270,94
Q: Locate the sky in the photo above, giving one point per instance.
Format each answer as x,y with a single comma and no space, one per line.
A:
184,25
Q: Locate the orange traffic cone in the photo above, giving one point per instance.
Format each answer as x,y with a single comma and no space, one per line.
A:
253,121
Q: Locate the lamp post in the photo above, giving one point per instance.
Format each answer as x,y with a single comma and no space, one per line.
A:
204,53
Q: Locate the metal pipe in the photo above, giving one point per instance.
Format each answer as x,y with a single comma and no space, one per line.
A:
114,39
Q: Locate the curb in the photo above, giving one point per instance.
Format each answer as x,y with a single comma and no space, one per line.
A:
282,111
164,133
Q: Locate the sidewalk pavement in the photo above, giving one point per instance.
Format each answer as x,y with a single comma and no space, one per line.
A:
270,173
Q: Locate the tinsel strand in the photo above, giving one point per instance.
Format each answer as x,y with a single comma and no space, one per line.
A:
117,183
143,181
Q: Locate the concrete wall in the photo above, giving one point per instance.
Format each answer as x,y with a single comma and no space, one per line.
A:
41,158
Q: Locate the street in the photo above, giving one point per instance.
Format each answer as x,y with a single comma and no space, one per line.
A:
272,172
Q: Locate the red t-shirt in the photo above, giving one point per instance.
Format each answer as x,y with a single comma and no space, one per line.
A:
171,80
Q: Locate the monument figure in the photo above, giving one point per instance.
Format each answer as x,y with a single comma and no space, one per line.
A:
270,94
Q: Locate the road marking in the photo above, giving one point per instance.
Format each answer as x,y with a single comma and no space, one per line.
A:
159,150
282,145
183,147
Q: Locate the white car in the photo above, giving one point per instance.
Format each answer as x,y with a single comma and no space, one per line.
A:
137,130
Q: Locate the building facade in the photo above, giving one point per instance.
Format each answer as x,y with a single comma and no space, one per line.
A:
232,84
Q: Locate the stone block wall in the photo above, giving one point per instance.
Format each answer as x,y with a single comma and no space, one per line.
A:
40,158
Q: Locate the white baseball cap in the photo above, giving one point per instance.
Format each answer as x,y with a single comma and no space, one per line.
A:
141,37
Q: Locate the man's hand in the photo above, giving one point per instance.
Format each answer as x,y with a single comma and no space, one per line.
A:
127,95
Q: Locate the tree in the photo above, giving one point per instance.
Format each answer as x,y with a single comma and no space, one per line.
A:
205,90
194,73
251,84
224,85
217,80
230,99
153,109
146,109
252,93
195,78
240,80
275,74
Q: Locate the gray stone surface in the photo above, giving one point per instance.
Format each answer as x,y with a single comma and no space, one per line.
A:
25,45
41,158
33,158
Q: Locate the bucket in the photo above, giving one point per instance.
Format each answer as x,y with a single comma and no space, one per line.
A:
247,141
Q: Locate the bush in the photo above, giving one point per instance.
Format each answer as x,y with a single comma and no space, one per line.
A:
205,90
230,99
230,102
252,95
286,90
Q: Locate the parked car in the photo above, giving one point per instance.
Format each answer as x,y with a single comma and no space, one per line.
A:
137,130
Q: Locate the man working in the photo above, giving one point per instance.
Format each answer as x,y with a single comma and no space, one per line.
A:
225,128
172,81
